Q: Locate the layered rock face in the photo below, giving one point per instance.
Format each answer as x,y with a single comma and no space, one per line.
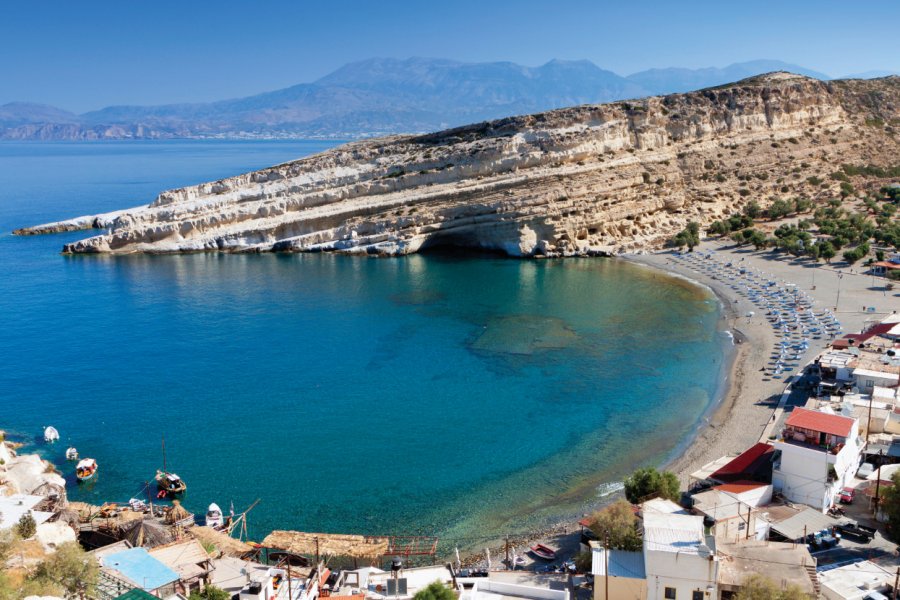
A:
597,179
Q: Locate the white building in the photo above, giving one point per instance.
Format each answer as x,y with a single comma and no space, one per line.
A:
679,560
867,379
820,453
856,581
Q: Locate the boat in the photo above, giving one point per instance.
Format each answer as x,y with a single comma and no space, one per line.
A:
214,517
543,552
72,454
86,469
169,484
50,434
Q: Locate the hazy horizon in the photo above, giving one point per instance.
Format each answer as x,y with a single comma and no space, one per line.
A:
85,57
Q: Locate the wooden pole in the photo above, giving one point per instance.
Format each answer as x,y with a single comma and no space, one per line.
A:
749,508
317,552
508,564
869,419
896,581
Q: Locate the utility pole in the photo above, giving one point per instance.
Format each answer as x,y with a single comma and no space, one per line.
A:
878,484
837,300
869,419
317,552
896,581
749,509
508,564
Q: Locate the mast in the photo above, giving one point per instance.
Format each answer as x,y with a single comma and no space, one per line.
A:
165,469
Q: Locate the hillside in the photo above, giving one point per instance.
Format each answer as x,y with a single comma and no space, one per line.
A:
376,97
585,180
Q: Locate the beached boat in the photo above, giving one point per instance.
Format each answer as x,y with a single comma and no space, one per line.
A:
214,517
543,552
86,469
72,454
50,434
169,484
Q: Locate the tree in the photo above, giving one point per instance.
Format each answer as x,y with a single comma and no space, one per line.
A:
435,591
69,568
779,208
890,504
648,483
827,251
752,209
26,527
617,525
689,236
760,587
210,592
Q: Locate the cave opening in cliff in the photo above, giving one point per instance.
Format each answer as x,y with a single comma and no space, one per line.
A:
459,244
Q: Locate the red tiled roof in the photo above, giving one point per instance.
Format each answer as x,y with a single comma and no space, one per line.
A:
743,462
803,418
886,264
739,487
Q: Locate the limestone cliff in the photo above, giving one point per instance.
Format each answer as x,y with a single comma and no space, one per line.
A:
590,179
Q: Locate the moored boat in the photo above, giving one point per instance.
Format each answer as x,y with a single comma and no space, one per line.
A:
543,552
50,434
214,517
169,484
86,469
72,454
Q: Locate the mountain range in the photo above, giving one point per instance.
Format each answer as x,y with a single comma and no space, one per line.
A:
378,96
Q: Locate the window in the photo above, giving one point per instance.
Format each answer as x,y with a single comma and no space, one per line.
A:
670,593
697,595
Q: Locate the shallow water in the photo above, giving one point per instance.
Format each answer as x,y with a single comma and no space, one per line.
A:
462,396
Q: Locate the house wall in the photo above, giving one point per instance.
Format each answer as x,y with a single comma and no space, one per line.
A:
684,572
756,497
803,473
735,527
893,423
620,588
867,383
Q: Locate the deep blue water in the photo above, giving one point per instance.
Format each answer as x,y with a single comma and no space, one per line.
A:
462,396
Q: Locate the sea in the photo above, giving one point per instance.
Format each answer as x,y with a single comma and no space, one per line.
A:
459,395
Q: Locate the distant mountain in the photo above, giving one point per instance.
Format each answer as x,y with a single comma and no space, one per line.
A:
667,81
378,96
871,74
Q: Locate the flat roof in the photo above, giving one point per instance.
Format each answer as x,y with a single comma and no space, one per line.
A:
621,563
739,487
12,508
878,374
780,561
815,420
673,533
662,505
850,580
140,568
718,505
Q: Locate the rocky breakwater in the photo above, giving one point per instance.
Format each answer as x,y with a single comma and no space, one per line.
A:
598,179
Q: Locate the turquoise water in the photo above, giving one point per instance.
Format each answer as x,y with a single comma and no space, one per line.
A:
440,394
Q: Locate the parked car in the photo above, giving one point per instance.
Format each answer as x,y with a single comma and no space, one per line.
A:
846,495
857,532
865,470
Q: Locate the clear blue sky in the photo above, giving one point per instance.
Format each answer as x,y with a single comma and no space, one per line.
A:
85,55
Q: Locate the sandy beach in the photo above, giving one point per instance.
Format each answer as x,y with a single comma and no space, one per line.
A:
750,395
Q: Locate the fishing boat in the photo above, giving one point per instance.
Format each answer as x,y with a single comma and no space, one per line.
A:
50,434
214,517
543,552
72,454
169,484
86,469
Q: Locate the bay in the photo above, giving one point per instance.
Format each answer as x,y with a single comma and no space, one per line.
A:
465,396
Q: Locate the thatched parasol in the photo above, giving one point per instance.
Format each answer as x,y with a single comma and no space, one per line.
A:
176,513
332,544
148,533
85,511
224,543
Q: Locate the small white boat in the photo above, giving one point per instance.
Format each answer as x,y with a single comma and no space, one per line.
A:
72,453
86,469
214,517
50,434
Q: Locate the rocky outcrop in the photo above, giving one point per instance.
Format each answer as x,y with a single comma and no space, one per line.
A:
584,180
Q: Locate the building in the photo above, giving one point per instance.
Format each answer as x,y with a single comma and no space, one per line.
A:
820,453
784,563
727,515
856,581
680,561
189,560
492,589
627,577
135,568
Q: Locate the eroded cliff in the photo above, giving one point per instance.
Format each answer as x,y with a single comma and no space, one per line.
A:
585,180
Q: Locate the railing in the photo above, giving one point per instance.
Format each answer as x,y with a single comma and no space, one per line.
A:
109,586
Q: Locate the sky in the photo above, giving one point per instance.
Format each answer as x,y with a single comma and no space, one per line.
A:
85,55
